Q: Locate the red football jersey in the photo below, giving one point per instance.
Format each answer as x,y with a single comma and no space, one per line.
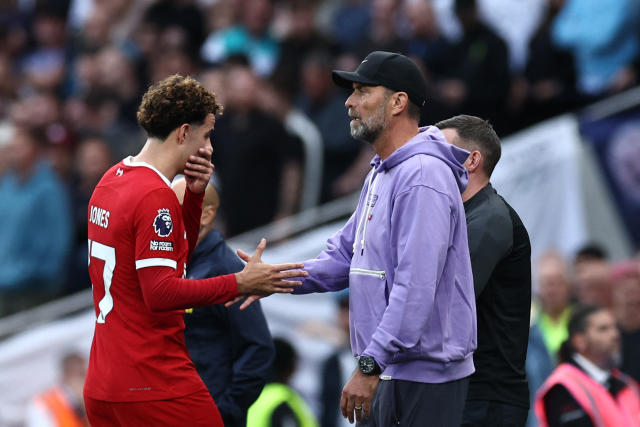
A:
138,247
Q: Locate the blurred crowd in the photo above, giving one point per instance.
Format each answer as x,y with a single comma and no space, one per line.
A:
589,279
72,74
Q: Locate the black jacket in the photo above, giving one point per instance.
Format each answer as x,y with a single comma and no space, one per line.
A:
232,349
501,263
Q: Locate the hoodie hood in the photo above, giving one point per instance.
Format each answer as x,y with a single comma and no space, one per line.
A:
429,141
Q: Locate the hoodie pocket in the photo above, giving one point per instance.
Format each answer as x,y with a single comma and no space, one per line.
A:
380,274
369,297
375,273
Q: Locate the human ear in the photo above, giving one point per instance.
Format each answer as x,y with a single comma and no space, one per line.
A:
474,161
208,214
400,102
183,132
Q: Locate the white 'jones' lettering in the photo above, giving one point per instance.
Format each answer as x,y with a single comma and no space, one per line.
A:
99,216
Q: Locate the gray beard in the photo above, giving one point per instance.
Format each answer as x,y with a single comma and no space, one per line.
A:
369,130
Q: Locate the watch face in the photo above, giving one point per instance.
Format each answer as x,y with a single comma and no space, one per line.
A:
367,364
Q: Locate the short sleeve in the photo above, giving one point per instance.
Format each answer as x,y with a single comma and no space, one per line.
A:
158,230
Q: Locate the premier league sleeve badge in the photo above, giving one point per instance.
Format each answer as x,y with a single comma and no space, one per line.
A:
162,224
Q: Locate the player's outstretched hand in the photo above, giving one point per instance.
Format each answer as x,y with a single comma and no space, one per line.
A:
258,279
198,170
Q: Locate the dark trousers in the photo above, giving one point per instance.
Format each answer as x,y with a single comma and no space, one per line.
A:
486,413
414,404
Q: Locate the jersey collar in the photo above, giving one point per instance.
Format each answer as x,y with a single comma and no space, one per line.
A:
128,161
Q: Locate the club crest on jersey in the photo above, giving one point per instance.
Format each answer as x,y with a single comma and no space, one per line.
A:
162,224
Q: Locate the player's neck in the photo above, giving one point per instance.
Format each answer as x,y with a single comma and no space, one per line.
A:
155,153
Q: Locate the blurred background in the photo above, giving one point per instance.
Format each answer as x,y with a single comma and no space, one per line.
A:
558,79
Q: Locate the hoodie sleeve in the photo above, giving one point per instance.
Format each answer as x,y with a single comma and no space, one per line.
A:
329,271
421,249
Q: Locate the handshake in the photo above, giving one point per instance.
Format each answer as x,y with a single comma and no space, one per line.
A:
258,279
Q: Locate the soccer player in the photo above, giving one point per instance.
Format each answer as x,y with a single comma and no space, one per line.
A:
140,239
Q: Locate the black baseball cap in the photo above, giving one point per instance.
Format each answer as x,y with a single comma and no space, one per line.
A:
391,70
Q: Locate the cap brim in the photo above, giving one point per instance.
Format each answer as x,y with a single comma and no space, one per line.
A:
347,78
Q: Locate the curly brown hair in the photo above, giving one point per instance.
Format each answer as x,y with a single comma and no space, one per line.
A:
172,102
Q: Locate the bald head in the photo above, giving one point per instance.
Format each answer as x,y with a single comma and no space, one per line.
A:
210,205
210,195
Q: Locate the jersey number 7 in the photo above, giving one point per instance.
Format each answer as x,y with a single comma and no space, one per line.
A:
108,255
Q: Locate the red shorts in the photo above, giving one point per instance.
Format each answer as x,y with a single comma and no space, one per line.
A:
197,409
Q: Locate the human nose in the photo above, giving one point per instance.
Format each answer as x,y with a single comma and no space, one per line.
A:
349,102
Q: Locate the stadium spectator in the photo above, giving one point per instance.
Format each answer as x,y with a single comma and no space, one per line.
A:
515,23
92,159
479,79
550,327
42,110
351,22
279,405
250,37
554,293
626,307
386,16
586,389
300,37
319,99
270,172
278,99
43,67
550,74
396,280
116,73
182,21
501,263
427,42
136,223
592,277
232,349
174,61
97,24
63,404
8,84
99,112
34,212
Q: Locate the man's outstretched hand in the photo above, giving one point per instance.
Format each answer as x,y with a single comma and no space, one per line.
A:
258,279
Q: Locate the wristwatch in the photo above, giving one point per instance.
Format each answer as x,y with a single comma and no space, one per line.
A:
369,366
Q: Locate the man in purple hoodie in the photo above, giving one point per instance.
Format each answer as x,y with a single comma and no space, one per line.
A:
404,256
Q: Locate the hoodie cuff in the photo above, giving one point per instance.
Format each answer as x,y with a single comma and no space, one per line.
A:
382,357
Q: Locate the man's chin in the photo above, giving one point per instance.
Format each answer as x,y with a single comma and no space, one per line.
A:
356,132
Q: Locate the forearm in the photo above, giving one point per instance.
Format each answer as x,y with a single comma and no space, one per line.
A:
326,274
191,213
329,271
162,291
